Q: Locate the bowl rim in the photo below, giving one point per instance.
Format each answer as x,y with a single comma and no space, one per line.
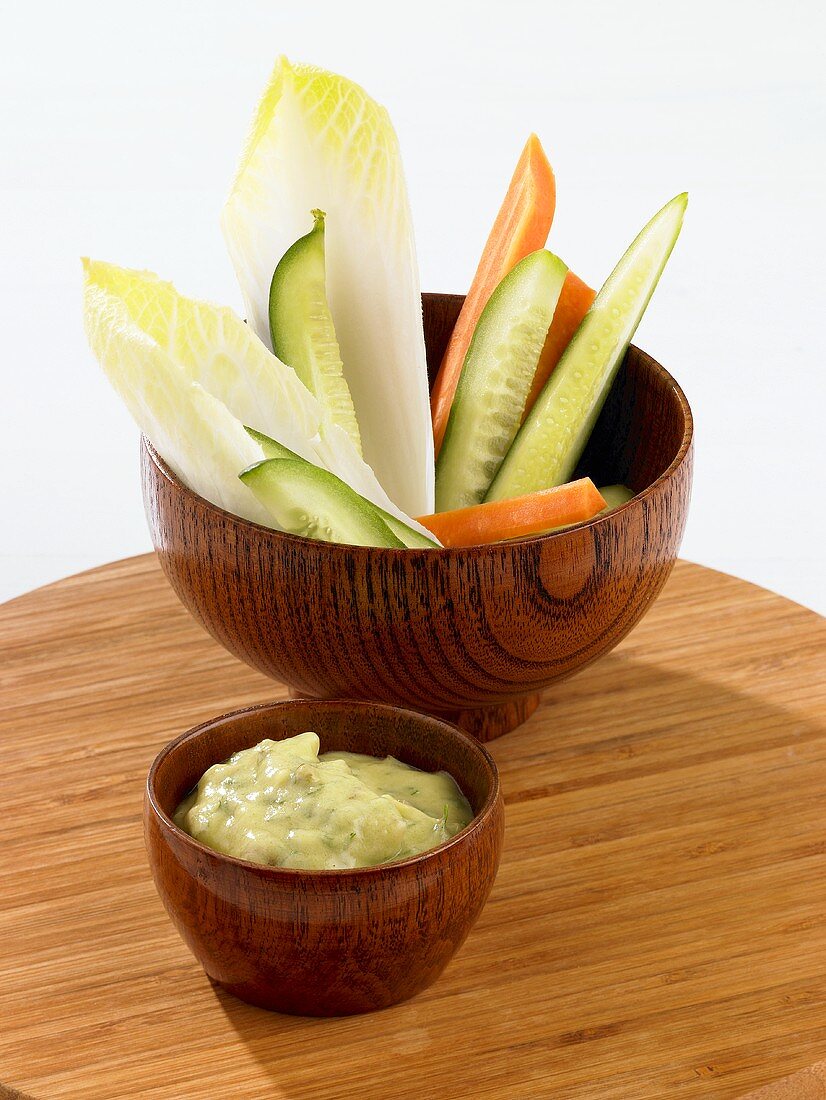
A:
478,822
456,551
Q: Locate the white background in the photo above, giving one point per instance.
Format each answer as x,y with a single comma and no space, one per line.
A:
121,125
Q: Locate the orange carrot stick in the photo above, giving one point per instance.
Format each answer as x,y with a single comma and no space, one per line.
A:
498,520
574,302
521,227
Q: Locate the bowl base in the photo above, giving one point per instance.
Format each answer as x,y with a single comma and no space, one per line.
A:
483,723
488,723
309,1004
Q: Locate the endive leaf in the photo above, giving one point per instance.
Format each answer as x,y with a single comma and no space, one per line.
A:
213,348
318,140
197,436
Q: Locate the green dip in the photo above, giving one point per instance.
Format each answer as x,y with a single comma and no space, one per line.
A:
282,804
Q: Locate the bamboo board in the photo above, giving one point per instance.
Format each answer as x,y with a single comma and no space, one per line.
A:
658,926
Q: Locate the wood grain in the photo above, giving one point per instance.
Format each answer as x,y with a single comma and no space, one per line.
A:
657,927
473,634
325,943
806,1084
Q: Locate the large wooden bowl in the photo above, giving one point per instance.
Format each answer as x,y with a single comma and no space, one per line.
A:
325,943
470,634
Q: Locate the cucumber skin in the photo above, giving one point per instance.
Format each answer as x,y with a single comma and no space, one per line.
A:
615,496
414,540
301,266
525,472
525,298
303,251
271,447
298,479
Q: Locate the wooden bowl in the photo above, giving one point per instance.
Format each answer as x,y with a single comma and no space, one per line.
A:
472,634
325,943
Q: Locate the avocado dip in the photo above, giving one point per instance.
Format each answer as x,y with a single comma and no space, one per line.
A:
280,803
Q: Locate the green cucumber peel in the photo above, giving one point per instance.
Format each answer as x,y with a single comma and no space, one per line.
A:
413,540
550,443
271,447
614,496
409,537
496,378
313,503
302,330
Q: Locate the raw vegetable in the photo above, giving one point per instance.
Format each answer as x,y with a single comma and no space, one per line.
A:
315,504
522,382
615,495
196,434
574,302
533,514
214,348
302,330
551,441
521,227
270,448
318,139
410,536
499,366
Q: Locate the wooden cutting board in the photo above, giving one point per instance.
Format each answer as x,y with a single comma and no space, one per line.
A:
806,1084
658,926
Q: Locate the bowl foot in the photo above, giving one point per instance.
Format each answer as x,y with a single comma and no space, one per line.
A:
310,1002
483,723
488,723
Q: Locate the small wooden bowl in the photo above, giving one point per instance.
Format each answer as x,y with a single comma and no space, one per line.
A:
473,635
325,943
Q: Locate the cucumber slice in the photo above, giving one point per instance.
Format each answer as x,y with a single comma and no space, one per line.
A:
301,326
271,447
316,504
496,379
614,496
414,539
553,437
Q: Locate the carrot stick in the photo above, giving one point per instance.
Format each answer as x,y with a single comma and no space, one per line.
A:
574,302
521,227
498,520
